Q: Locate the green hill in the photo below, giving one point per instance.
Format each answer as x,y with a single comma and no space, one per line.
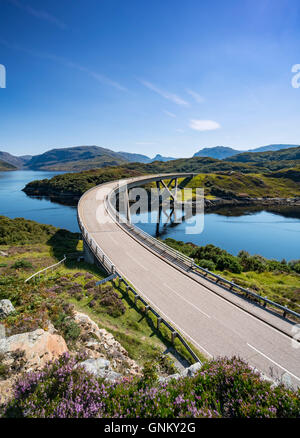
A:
75,158
265,158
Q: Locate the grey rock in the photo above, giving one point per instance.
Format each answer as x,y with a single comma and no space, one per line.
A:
2,331
100,368
112,376
6,308
96,366
287,381
168,378
192,370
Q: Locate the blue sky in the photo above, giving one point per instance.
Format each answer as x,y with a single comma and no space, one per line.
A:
155,76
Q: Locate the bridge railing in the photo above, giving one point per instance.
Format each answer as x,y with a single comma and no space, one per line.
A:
96,250
164,249
247,292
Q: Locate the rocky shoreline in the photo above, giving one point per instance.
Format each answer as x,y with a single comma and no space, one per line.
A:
247,201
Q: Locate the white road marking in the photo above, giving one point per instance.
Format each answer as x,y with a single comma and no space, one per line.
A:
115,242
275,363
136,261
236,307
187,301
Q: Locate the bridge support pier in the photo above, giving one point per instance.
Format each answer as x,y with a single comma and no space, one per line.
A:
87,254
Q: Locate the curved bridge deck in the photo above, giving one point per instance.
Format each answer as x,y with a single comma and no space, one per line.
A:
216,322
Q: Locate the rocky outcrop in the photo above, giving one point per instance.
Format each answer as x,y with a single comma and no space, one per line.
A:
38,348
27,352
98,343
6,308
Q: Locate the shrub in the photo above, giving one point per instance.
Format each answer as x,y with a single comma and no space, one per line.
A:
207,264
22,264
67,327
221,388
230,263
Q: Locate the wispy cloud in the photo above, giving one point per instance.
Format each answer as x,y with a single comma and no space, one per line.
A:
168,113
195,95
66,63
165,94
204,125
39,13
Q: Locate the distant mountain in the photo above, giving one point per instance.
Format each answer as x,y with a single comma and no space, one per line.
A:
135,158
88,157
259,158
224,152
75,158
273,147
4,166
159,157
25,158
138,158
17,162
219,152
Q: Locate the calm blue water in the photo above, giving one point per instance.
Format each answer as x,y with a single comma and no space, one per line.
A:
271,235
15,203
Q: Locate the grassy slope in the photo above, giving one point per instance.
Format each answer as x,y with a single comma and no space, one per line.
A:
267,157
132,329
252,184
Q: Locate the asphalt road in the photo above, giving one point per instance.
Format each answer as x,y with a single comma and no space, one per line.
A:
217,322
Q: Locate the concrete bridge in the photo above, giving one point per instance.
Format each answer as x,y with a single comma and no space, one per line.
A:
212,315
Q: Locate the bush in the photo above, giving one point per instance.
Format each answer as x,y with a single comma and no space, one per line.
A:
22,264
221,388
207,264
67,327
229,263
109,299
23,231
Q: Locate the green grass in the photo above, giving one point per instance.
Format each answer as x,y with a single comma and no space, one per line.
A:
278,281
136,332
239,184
283,288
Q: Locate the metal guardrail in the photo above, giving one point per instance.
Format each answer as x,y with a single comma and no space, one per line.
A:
163,248
160,320
247,292
46,269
